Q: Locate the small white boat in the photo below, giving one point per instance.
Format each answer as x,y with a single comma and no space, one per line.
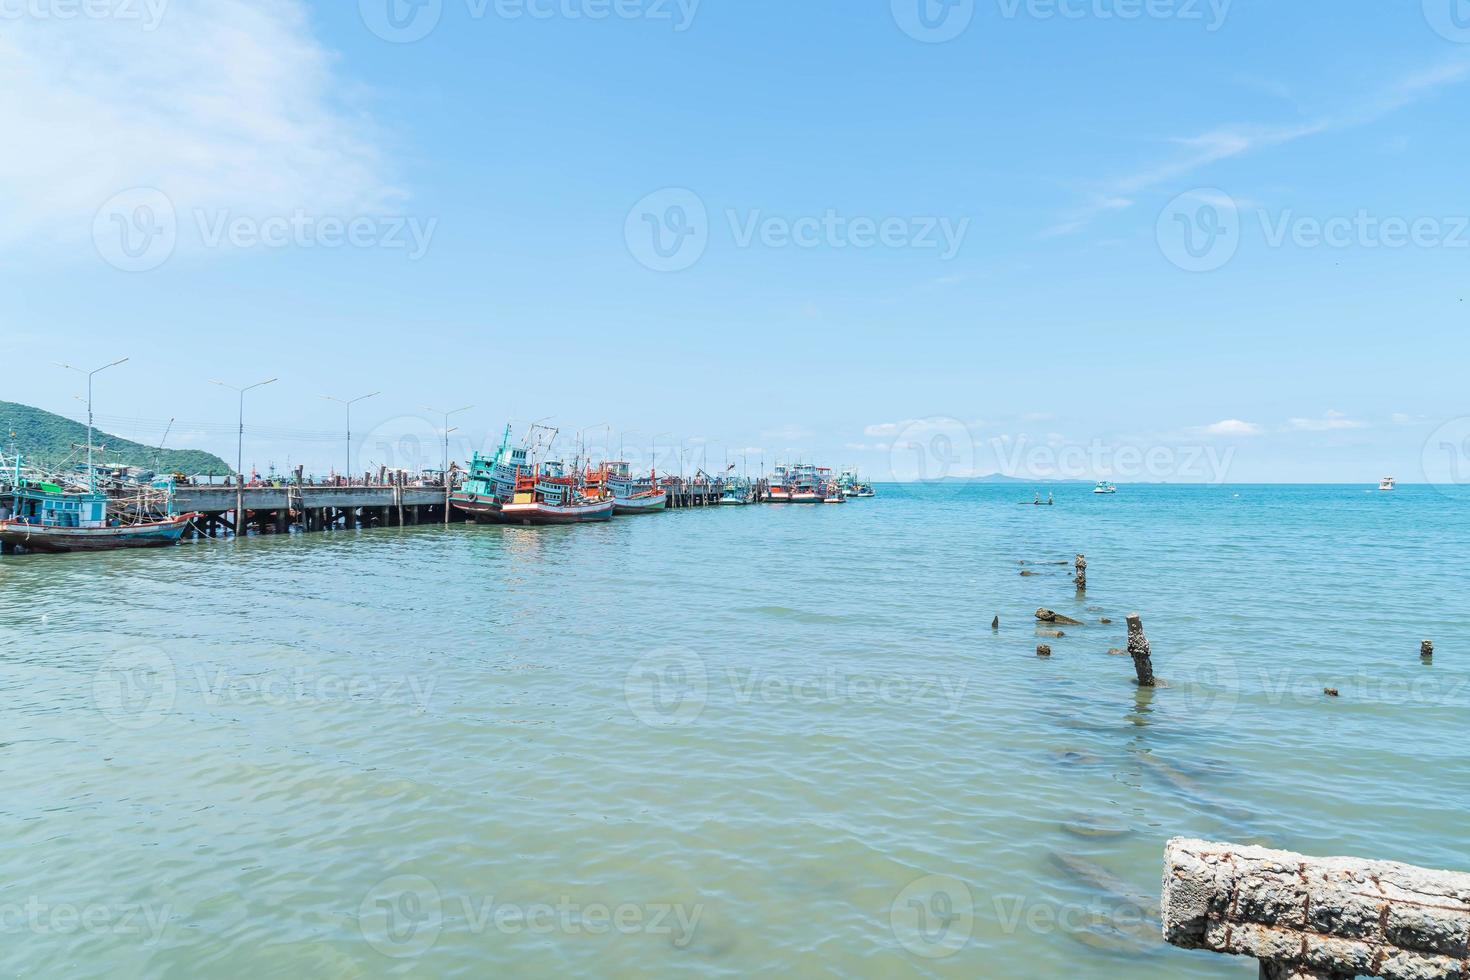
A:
1386,483
1103,486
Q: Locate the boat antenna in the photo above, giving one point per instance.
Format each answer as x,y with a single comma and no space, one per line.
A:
159,451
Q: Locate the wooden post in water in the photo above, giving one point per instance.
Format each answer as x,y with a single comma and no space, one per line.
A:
1426,650
1081,578
1139,650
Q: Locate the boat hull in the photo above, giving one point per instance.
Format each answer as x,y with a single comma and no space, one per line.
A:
651,503
485,510
536,514
63,540
806,498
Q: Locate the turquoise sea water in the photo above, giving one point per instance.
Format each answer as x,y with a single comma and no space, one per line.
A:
721,743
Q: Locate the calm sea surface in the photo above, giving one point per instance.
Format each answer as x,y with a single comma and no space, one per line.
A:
775,740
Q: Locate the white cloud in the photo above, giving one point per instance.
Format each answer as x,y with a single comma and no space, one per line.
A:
223,105
1329,422
1232,427
1222,143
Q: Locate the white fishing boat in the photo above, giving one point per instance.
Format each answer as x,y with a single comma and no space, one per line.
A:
1386,483
1103,486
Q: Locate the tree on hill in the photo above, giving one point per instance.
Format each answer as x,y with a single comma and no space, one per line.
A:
47,440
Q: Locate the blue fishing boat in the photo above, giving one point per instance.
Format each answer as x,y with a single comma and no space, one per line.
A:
492,480
42,515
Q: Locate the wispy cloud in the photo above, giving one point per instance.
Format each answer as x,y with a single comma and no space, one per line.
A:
1224,142
222,104
1329,422
1231,427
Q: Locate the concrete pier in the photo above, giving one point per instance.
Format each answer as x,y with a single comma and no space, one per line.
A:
1328,918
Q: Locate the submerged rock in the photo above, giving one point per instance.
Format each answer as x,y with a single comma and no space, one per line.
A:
1092,826
1115,652
1106,621
1053,634
1042,650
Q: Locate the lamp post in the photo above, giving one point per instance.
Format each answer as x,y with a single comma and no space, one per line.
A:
447,430
348,403
240,452
91,477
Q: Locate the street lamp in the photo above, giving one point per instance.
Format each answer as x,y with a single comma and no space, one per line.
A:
349,402
240,452
91,477
447,430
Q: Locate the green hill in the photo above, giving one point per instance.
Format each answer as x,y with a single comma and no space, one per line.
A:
46,439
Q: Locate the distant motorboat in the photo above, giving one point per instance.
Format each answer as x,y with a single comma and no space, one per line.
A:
1386,483
1103,486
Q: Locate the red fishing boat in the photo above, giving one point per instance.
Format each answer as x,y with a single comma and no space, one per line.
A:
550,495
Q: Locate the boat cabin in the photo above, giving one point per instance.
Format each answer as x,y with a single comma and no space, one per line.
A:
48,505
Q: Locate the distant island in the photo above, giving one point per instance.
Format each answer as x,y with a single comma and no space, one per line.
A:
46,439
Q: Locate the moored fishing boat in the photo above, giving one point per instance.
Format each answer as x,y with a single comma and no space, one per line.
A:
634,495
41,515
550,495
780,488
737,492
492,480
806,484
851,486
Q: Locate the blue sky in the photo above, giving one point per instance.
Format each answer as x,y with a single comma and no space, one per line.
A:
1227,239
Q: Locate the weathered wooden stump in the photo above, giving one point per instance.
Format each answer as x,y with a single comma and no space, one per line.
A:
1426,649
1080,579
995,623
1045,615
1306,917
1138,649
1042,650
